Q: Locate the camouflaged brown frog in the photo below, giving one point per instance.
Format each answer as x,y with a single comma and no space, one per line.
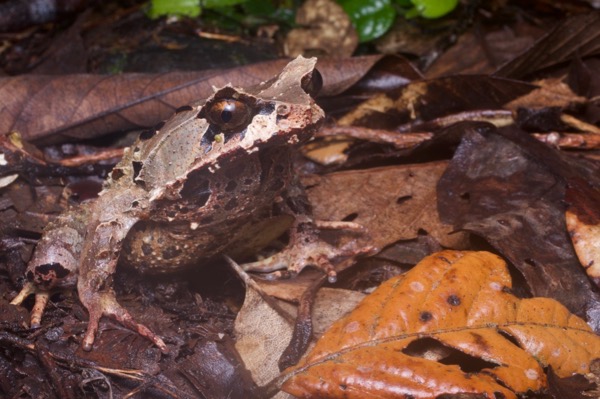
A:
196,187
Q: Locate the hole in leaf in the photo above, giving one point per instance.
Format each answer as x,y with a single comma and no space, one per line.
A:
116,174
403,199
231,204
509,338
429,348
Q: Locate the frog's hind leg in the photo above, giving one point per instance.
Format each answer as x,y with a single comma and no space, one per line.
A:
105,303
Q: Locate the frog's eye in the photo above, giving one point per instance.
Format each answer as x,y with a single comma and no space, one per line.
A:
312,83
229,114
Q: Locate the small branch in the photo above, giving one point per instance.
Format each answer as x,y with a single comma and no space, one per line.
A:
574,141
579,124
399,140
115,153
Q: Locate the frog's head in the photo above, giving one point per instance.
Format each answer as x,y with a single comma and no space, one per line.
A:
277,112
231,124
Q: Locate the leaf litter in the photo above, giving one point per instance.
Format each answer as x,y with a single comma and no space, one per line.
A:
447,327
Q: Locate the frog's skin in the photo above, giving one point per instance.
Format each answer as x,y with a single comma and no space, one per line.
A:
188,191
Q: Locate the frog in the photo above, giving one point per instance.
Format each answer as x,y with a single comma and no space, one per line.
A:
193,188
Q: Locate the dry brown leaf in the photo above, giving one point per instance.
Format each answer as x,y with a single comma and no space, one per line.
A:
575,37
462,301
552,92
507,188
263,333
480,51
391,203
262,336
86,106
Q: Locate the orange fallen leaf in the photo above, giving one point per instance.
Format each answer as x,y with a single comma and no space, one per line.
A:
461,302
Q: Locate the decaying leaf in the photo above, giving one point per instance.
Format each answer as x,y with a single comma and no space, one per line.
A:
575,36
583,223
263,331
404,197
483,50
508,188
84,105
550,93
262,336
460,300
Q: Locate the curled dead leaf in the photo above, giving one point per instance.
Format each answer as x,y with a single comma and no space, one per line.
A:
459,300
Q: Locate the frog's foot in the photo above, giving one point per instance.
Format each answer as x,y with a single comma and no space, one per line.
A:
41,299
295,258
105,304
308,250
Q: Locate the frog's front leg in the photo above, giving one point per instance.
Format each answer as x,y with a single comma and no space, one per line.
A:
98,264
305,247
81,248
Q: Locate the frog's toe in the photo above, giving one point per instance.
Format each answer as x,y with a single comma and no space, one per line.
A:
28,289
272,264
41,300
92,327
106,304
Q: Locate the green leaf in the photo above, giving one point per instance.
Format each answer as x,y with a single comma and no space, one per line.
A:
159,8
269,12
434,8
220,3
260,7
371,18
